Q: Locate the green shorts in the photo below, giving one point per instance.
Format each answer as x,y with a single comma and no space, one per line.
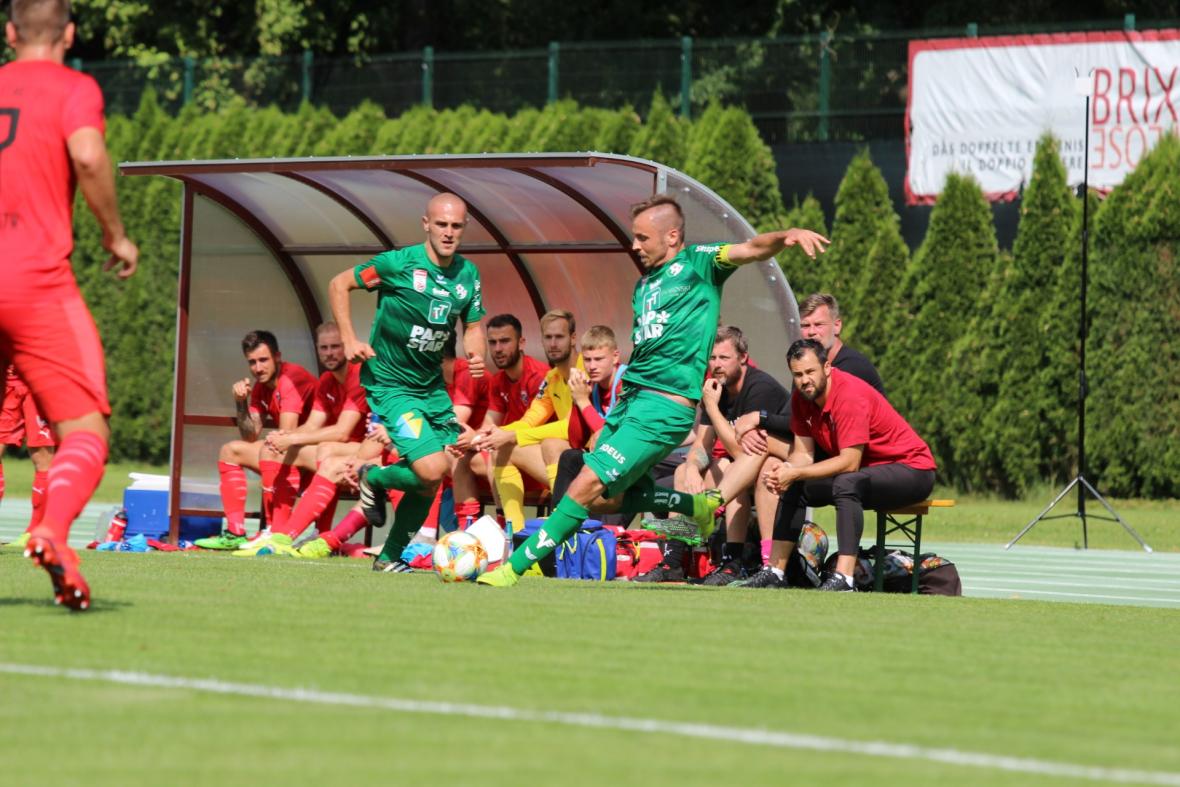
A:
642,429
418,423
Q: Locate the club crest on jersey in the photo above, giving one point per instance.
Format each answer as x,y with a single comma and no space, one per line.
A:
675,269
460,290
419,280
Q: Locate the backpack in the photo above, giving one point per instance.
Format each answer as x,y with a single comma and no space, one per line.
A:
937,576
590,553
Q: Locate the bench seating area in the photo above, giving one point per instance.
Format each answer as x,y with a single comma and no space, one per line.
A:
905,522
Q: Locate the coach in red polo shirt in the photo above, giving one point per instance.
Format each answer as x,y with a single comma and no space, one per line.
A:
877,461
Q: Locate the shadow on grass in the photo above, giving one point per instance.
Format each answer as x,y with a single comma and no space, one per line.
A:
97,606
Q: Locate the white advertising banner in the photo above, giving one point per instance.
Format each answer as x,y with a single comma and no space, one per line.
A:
978,106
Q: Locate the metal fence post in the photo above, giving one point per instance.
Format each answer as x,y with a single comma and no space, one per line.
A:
428,76
686,77
307,61
189,69
1128,21
972,30
554,63
825,85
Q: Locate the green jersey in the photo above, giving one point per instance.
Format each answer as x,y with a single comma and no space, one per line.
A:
417,305
676,309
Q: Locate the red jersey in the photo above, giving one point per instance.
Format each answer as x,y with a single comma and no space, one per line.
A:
332,399
467,391
293,392
512,398
41,104
855,413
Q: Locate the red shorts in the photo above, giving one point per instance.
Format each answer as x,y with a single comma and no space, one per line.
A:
50,336
20,422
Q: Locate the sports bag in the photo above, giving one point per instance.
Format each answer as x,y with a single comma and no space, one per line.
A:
590,553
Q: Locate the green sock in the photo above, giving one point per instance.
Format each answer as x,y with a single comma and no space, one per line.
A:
564,520
656,498
407,518
396,476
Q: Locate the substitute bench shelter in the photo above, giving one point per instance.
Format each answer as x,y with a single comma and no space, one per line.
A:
261,238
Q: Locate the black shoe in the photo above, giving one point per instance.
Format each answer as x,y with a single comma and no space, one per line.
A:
372,498
726,574
763,579
662,573
391,566
836,583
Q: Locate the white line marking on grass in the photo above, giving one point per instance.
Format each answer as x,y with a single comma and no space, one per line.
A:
756,737
1039,592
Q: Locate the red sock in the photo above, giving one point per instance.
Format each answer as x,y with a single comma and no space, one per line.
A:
311,505
40,485
395,496
280,484
430,526
73,476
233,496
324,522
353,523
471,510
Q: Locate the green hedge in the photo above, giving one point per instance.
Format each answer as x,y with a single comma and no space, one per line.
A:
978,348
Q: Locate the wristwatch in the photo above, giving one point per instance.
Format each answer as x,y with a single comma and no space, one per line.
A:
761,419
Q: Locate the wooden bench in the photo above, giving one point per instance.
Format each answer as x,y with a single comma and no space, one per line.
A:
908,522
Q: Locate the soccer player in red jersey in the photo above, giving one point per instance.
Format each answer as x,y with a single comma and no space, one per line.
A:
283,391
51,141
21,422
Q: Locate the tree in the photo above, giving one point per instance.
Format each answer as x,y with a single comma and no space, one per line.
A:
662,137
804,274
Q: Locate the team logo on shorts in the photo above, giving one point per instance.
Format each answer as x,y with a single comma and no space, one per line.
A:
419,280
409,426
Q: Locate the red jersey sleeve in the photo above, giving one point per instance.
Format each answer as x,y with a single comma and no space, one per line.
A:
84,108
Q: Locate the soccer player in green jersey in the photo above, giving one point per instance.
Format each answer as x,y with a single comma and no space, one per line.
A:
676,303
421,291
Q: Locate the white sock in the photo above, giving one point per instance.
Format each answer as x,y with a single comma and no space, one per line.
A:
847,579
778,572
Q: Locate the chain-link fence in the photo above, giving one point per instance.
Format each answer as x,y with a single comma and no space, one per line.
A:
829,86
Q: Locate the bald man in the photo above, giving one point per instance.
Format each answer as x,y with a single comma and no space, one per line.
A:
421,291
676,303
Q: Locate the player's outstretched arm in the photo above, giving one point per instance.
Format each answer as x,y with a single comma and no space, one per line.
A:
764,246
474,343
92,165
339,288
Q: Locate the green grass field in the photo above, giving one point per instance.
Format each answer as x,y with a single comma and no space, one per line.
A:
1085,686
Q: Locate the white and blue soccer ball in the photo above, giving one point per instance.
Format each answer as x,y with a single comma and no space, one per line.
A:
459,557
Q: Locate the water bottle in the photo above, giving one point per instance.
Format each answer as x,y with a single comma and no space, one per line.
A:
117,526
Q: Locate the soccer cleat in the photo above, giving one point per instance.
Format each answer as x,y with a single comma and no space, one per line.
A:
318,548
19,542
726,574
662,573
270,544
676,527
225,541
394,566
372,497
69,586
704,510
837,583
502,577
766,578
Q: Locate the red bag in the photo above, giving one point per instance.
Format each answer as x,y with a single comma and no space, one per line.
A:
639,551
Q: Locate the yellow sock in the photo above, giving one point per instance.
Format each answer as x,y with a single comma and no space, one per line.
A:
551,472
510,486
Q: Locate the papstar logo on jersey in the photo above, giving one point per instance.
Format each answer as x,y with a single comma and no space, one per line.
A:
419,280
651,326
427,340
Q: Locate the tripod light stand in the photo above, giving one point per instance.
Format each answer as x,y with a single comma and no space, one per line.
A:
1079,481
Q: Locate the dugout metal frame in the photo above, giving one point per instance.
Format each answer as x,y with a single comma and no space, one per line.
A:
547,230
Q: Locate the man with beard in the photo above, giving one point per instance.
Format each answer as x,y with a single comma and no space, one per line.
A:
280,389
733,389
335,428
512,433
876,460
422,290
676,303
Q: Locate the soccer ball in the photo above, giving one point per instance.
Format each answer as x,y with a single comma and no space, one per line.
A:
459,557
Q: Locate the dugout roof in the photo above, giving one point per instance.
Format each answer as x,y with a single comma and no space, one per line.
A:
261,239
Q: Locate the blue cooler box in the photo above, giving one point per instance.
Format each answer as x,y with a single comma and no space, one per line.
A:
147,515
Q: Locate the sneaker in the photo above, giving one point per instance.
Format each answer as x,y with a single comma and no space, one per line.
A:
502,577
69,586
836,583
726,574
676,527
766,578
223,542
372,497
394,566
319,548
271,544
662,573
704,512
